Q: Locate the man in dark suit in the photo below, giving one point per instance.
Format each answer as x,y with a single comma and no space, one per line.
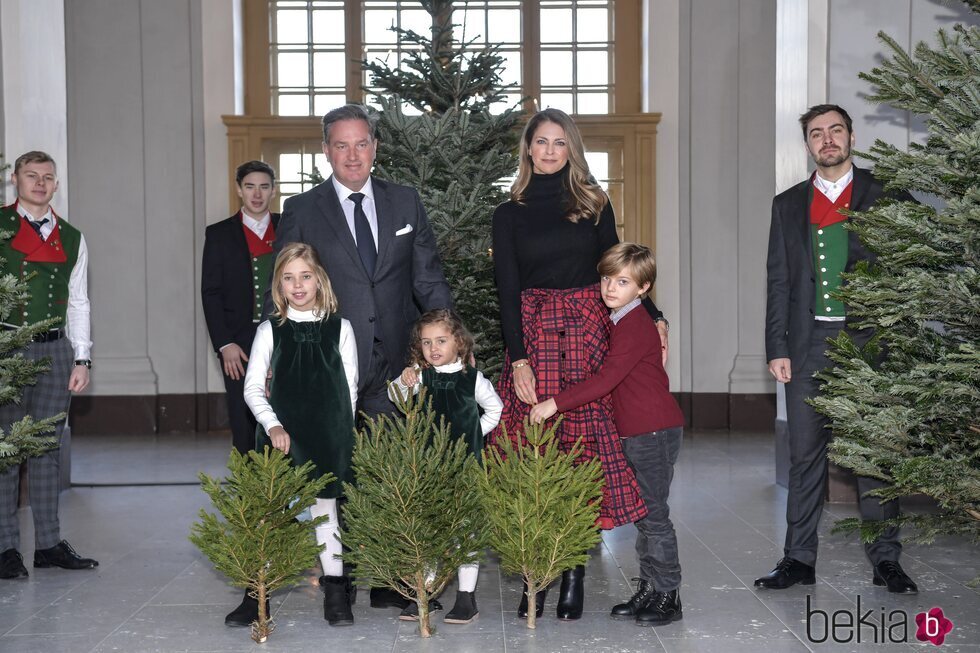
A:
237,266
808,249
379,251
376,243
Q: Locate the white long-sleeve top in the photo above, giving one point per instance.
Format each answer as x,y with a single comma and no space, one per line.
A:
484,393
259,360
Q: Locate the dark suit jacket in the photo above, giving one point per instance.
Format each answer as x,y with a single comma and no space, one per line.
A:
791,289
407,277
226,284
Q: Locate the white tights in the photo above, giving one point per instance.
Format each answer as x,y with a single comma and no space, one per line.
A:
328,533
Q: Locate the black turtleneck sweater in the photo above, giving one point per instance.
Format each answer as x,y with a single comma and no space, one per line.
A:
536,246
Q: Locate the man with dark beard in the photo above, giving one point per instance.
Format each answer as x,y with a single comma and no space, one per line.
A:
809,248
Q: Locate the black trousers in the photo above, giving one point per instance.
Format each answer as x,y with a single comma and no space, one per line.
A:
373,391
809,434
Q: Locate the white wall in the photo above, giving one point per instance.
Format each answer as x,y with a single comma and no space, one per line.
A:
34,112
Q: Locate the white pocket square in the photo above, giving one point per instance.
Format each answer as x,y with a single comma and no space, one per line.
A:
407,229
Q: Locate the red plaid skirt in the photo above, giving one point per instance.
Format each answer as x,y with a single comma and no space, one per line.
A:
566,333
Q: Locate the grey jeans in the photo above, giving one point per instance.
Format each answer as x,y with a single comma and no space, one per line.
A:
652,457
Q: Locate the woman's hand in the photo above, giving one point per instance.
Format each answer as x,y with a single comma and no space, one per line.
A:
662,330
524,382
280,439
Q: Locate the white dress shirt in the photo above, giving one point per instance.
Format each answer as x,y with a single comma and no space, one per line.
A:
833,189
78,325
370,211
257,227
486,397
259,360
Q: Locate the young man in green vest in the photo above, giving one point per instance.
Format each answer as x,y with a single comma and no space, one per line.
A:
235,274
54,252
809,248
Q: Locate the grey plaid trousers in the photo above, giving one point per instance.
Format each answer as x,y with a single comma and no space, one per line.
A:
49,397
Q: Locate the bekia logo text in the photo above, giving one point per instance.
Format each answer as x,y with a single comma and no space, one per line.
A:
877,627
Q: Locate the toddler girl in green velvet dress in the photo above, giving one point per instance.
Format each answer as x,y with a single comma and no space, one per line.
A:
440,350
309,412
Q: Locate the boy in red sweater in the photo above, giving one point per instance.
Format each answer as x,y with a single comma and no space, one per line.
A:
649,421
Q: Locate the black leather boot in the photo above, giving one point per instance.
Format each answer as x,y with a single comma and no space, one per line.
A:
538,603
644,593
246,612
571,596
662,609
336,600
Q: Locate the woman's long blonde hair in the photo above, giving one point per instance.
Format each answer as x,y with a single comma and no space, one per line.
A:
585,198
326,301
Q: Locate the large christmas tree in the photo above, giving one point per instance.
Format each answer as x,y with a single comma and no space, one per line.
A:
455,153
906,409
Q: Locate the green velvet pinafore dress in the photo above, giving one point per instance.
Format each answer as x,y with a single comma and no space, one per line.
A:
309,393
454,397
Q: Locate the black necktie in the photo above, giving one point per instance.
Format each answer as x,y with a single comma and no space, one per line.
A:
36,226
362,232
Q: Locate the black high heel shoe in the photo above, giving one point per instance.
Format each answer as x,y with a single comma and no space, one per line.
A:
538,603
571,596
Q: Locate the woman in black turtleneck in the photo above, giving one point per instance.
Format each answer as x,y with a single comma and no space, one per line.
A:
547,241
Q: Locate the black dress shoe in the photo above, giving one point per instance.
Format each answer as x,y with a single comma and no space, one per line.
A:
538,603
12,564
246,612
62,555
385,597
571,594
411,611
788,572
892,575
644,593
664,608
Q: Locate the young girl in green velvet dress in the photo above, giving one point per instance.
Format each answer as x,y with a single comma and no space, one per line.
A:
309,412
440,348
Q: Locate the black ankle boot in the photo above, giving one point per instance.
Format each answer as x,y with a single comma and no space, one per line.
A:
662,609
571,596
644,593
246,612
464,611
538,603
336,600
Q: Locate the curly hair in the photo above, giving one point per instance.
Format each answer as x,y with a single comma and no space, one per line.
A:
449,319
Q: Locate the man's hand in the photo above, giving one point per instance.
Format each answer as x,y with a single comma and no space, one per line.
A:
780,369
78,380
524,382
410,376
232,358
543,411
662,330
280,439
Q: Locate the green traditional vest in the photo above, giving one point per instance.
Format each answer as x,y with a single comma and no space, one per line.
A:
830,260
261,276
309,394
454,398
48,286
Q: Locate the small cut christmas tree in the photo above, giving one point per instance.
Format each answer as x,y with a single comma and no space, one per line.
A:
255,539
906,408
541,507
414,515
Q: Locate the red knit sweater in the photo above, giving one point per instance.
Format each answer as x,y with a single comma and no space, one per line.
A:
634,374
